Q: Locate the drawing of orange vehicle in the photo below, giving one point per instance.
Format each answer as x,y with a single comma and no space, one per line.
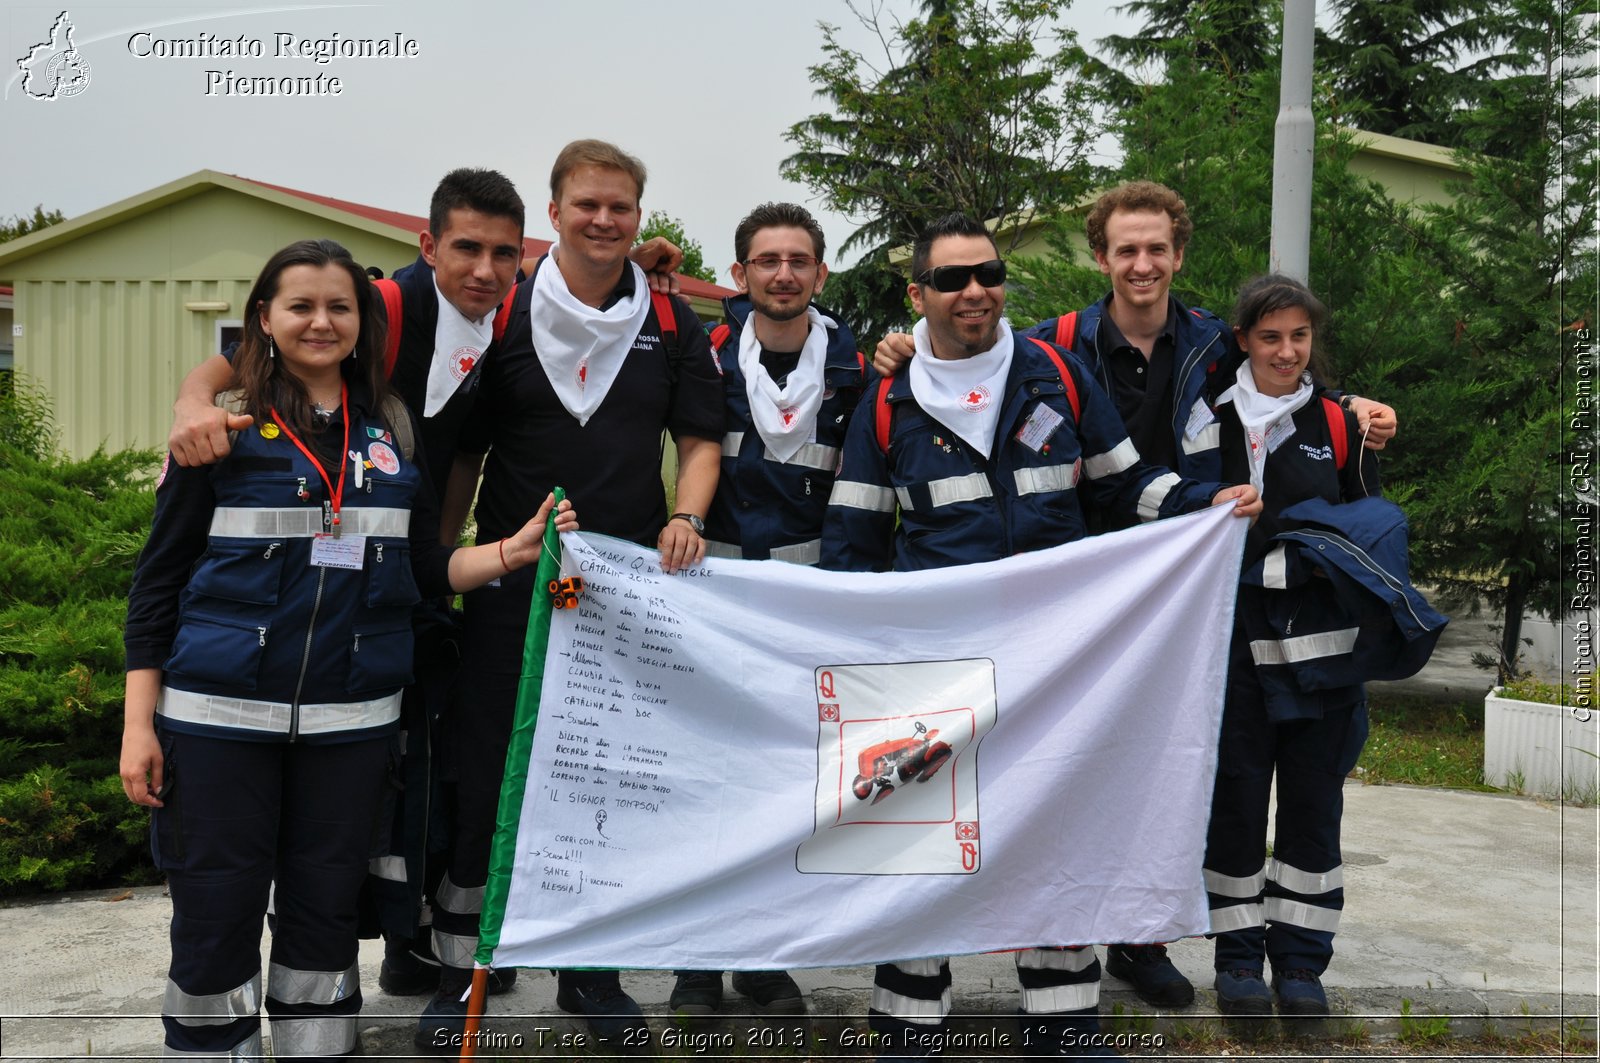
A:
898,760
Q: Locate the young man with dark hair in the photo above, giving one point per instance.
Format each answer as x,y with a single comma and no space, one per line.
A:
791,377
590,372
982,449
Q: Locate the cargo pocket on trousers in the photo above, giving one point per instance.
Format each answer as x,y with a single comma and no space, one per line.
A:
166,823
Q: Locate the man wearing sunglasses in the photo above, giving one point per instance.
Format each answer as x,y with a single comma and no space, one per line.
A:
791,378
977,452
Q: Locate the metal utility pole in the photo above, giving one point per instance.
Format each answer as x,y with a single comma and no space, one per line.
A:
1293,141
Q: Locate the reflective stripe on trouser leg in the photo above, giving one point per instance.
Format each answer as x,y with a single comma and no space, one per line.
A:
456,911
910,1000
248,1049
223,1025
1060,999
325,1035
1056,980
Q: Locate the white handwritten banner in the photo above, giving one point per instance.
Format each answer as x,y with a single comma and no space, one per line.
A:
753,764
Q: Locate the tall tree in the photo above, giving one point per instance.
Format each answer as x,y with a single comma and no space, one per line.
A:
1409,69
660,223
980,106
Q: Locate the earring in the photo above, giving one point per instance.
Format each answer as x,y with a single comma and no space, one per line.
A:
272,349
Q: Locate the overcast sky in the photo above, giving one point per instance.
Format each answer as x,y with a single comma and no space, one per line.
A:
701,91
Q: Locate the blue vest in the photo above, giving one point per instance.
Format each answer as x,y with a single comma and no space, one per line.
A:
765,508
272,647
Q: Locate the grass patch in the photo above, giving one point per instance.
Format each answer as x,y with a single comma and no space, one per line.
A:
1424,743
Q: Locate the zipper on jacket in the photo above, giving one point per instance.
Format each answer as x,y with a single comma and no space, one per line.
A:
311,633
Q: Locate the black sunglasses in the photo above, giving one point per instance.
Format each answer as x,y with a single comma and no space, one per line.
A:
947,279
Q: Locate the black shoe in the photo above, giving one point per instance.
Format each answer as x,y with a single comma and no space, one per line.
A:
444,1019
501,979
1151,973
409,968
1242,992
697,992
771,991
1300,992
613,1016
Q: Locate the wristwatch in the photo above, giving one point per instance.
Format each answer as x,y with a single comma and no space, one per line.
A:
695,522
1345,400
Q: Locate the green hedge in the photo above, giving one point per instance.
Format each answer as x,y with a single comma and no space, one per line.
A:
69,534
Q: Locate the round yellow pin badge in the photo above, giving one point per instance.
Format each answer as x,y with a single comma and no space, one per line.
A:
269,431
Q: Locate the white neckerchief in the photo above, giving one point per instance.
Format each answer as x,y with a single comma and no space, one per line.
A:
963,394
458,343
580,347
1258,414
785,416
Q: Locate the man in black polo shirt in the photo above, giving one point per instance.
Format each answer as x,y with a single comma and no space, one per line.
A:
582,385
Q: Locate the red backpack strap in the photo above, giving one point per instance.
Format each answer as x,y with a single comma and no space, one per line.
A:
1066,378
394,312
719,336
882,413
503,315
667,316
1066,330
1337,432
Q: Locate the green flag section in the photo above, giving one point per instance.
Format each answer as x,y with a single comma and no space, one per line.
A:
503,853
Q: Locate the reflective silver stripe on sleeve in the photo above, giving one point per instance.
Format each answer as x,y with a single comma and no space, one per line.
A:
1155,492
716,549
1044,479
862,496
248,1049
1292,878
289,986
1056,959
273,717
389,868
911,1009
1235,917
1061,998
813,456
1274,569
212,1009
1122,456
325,1035
302,522
454,950
1304,647
1208,438
954,489
1233,885
903,496
1299,913
731,444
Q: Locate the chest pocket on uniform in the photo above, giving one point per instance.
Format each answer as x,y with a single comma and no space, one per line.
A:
240,570
389,579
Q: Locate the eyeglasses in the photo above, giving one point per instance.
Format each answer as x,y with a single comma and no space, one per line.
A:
948,279
770,264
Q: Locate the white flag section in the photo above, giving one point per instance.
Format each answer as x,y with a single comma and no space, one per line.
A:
753,764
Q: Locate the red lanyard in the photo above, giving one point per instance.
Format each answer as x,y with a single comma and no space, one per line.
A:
335,495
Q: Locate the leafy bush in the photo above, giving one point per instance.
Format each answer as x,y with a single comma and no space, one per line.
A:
69,533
